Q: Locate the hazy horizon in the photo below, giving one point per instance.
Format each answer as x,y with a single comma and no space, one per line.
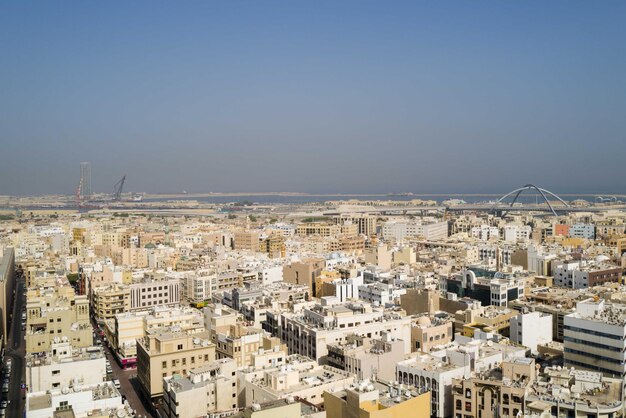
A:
325,97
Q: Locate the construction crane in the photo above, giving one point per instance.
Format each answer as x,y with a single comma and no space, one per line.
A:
79,188
117,189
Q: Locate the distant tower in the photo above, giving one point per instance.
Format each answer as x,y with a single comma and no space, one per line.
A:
85,179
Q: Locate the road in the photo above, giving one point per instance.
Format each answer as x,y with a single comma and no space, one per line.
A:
16,348
129,385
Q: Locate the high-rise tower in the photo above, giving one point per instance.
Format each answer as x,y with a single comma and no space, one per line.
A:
85,179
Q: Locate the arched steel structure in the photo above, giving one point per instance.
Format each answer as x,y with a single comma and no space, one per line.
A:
541,191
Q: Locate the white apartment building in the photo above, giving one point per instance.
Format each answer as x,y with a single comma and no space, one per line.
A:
309,332
156,292
531,329
515,233
82,401
210,389
494,254
380,294
578,274
64,367
271,274
400,230
346,289
485,232
435,371
197,286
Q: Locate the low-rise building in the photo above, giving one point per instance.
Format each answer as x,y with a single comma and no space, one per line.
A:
564,392
64,367
531,329
595,338
96,400
498,392
311,331
373,399
53,313
160,355
208,389
367,358
299,377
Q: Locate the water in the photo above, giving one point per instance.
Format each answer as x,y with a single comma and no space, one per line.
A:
303,199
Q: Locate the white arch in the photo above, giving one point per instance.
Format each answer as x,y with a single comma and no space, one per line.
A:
530,186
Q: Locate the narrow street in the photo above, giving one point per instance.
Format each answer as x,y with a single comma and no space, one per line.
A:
129,385
16,348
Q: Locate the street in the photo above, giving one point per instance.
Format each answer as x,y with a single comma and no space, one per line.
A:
15,350
129,385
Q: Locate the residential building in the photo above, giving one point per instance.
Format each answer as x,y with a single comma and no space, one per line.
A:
595,338
310,332
160,355
210,389
367,358
566,392
578,274
109,300
53,313
498,392
299,377
304,272
366,223
7,286
65,367
373,399
531,329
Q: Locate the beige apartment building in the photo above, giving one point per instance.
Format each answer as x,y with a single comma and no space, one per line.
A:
300,377
246,240
56,313
109,300
325,230
428,332
495,393
124,329
160,355
304,272
273,246
237,341
366,224
367,358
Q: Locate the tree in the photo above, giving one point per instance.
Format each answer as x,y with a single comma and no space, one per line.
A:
73,278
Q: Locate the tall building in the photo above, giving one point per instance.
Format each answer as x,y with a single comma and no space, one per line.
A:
7,285
595,338
85,179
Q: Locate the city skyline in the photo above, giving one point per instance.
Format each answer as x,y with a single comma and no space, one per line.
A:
331,98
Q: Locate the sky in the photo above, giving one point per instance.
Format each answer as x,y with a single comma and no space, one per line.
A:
317,96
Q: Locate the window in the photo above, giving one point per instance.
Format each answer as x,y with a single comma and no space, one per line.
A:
180,346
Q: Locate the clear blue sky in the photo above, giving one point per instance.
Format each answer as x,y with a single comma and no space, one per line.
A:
318,96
